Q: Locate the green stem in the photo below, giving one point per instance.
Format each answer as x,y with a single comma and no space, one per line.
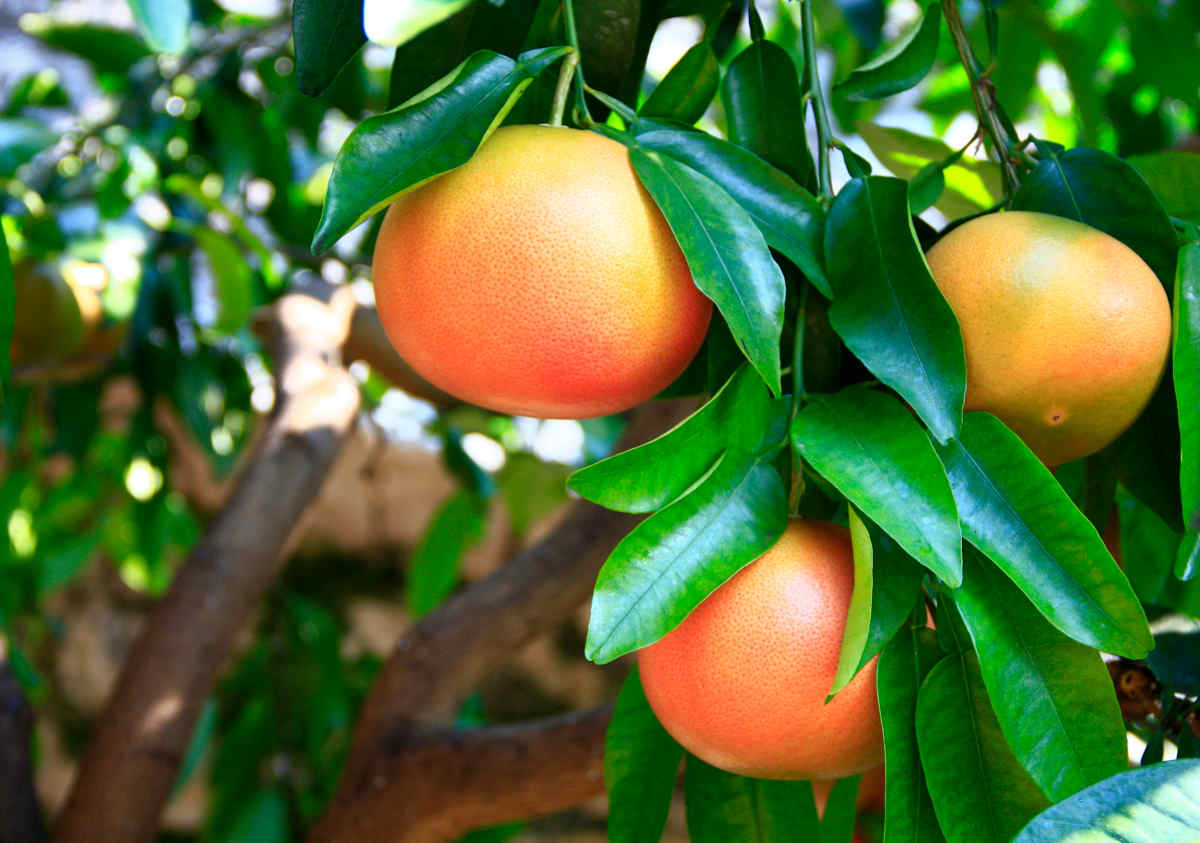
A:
569,66
581,110
824,132
992,119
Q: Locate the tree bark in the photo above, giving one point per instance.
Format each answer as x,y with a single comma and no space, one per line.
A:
135,752
20,820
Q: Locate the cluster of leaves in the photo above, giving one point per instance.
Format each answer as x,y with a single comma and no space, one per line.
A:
1009,708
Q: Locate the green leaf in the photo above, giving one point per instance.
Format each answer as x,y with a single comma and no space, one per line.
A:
8,308
21,139
926,187
1053,697
1149,451
901,65
262,819
641,762
234,279
977,786
650,476
1106,193
1175,660
326,34
1174,176
1013,510
675,558
112,52
873,451
789,217
764,109
403,148
838,821
887,584
722,807
728,257
163,23
902,667
886,306
1185,366
63,559
433,569
971,185
1158,804
687,89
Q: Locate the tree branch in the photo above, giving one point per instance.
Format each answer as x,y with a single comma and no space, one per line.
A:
130,765
445,655
433,785
20,820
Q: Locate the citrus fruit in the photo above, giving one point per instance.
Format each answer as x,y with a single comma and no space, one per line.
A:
1066,329
742,682
539,279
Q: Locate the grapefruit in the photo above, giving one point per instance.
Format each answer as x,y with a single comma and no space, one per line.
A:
742,682
539,279
1066,329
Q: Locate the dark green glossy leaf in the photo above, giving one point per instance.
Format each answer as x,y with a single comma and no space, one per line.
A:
263,818
838,821
971,185
728,257
650,476
865,19
1148,548
1106,193
1158,804
887,584
688,88
327,33
163,23
902,667
21,139
977,786
926,187
788,216
764,109
433,568
1013,510
901,65
675,558
874,452
722,807
8,306
640,765
400,149
886,306
1185,366
1174,176
1187,561
1052,696
1149,451
1175,661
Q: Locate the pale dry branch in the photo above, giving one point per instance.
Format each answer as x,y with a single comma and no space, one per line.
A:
131,762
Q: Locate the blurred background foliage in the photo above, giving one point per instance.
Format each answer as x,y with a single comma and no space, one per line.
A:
154,202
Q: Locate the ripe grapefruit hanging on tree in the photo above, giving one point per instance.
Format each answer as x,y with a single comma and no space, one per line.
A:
539,279
1066,329
742,682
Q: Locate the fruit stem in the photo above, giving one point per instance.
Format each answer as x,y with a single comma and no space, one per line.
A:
992,119
582,115
824,132
569,66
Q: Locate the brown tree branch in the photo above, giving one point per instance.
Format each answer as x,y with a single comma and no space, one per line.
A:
455,781
20,820
130,765
446,654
